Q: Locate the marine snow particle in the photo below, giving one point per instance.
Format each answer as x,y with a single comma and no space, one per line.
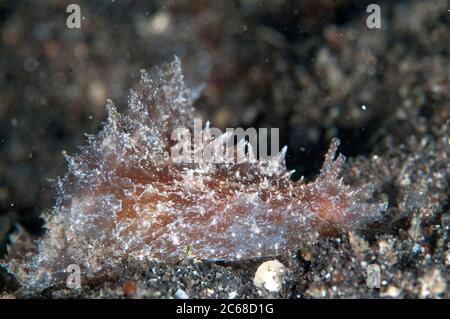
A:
270,275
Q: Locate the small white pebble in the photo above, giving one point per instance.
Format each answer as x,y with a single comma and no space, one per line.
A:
364,107
406,181
181,294
232,294
270,275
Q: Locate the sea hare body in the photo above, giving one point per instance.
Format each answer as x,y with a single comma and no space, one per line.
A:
124,198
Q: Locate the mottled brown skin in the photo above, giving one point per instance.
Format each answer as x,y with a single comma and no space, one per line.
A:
123,198
328,215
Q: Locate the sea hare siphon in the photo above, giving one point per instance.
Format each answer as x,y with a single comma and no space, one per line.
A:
124,198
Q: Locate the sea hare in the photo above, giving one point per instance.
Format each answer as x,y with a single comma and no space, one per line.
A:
124,198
